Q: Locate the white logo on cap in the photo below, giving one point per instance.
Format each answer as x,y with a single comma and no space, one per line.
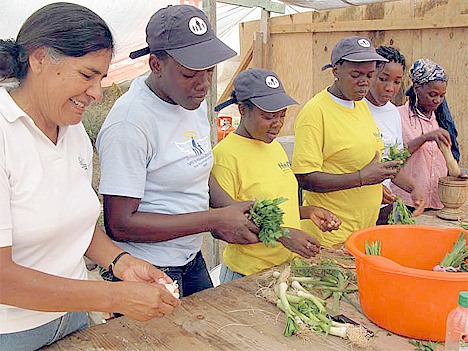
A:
272,82
364,43
197,26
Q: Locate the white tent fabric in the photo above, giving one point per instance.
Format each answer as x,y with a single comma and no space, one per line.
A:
128,18
330,4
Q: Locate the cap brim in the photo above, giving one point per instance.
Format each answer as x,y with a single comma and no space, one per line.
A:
203,55
364,57
274,102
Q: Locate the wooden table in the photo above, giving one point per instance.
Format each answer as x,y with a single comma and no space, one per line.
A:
228,317
430,218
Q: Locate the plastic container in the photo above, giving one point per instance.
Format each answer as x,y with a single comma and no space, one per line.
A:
398,290
224,127
456,338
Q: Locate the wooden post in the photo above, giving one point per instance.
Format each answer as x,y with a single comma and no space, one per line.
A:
212,245
265,29
257,58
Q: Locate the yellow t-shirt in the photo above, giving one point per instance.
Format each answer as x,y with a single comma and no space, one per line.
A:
251,169
334,139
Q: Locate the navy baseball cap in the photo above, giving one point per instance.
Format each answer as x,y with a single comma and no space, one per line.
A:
185,33
263,88
354,49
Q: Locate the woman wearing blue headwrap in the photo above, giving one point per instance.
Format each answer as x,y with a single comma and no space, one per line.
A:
427,123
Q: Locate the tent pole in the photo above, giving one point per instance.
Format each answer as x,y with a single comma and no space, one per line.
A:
212,244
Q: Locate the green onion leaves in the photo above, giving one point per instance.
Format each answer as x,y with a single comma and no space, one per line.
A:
268,217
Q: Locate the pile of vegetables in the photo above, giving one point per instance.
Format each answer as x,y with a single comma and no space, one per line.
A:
268,217
397,154
306,313
327,278
400,213
455,260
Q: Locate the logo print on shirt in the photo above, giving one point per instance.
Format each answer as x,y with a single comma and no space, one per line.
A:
285,166
272,82
83,163
197,26
194,144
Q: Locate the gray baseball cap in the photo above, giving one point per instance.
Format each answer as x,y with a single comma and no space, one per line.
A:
354,49
185,33
263,88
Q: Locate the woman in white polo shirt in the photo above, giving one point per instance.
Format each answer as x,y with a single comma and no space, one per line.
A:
48,209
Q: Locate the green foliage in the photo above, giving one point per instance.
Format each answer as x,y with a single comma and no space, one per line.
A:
424,345
373,248
400,214
395,154
268,217
458,255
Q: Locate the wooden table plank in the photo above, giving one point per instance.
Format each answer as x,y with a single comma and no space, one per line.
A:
226,318
430,218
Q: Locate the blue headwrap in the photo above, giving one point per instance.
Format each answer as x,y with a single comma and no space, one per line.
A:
422,72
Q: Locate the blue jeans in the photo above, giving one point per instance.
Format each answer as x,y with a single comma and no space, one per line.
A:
226,275
191,278
33,339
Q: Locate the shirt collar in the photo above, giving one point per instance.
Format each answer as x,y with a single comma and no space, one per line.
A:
8,107
419,114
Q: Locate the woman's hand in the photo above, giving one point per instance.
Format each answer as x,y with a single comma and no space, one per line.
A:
232,224
419,201
376,172
439,135
143,301
301,243
130,268
387,196
323,218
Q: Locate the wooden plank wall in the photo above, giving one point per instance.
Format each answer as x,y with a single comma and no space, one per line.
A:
437,29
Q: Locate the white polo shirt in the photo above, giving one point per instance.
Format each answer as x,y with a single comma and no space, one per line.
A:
48,208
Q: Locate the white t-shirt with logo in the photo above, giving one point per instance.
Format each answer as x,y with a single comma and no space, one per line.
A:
388,121
159,153
48,209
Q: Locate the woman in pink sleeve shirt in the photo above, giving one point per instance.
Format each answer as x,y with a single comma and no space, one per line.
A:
426,123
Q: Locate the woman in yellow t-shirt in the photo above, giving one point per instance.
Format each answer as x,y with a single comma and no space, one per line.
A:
338,146
249,163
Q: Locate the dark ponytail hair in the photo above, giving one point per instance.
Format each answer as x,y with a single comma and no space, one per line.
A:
65,28
233,100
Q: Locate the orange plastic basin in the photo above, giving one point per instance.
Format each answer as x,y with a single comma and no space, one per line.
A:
398,290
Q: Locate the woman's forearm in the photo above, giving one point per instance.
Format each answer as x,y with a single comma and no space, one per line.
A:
416,143
30,289
325,182
102,250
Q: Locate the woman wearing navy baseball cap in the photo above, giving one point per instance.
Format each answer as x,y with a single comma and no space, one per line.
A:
250,164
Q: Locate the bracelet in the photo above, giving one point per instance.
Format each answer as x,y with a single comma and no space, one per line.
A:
114,262
360,179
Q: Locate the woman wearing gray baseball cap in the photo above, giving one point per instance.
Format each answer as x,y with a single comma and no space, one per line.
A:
250,164
337,145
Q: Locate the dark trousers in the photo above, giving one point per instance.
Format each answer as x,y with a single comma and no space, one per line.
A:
192,277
